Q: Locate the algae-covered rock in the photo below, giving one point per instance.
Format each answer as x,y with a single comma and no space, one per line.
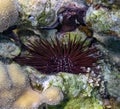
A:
112,76
79,90
37,11
80,103
42,12
110,46
104,20
8,49
107,2
72,85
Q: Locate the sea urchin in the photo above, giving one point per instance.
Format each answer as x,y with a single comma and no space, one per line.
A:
54,56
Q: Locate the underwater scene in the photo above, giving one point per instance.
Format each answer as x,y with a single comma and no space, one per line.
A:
59,54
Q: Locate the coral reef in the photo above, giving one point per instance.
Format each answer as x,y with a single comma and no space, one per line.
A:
106,26
52,96
110,46
83,81
8,14
15,90
41,12
77,89
79,103
110,3
28,99
69,18
35,12
103,20
112,76
13,81
34,99
72,85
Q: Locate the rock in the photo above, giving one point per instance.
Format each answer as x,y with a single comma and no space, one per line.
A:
110,47
8,49
8,14
72,85
112,77
104,20
41,12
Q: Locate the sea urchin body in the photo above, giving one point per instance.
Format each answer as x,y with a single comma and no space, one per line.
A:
54,56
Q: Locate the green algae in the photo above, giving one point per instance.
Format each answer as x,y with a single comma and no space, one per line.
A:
72,85
45,18
79,103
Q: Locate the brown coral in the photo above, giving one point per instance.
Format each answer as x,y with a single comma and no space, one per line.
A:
52,96
13,81
33,99
28,99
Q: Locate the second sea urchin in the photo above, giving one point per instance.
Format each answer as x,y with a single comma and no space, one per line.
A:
50,57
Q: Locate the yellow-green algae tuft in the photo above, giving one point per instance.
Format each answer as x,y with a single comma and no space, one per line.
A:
79,103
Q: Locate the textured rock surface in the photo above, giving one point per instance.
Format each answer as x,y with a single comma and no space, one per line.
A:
72,85
112,76
104,20
110,46
8,14
8,49
41,12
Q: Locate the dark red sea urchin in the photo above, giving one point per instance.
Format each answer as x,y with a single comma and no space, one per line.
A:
54,56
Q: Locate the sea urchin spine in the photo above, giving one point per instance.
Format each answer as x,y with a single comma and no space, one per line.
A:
54,56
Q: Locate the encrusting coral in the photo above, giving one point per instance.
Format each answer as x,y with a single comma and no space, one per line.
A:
15,90
28,99
12,83
52,95
33,99
17,75
8,14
